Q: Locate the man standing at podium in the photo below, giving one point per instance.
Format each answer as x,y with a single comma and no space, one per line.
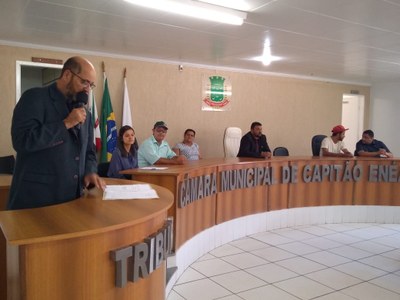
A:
52,134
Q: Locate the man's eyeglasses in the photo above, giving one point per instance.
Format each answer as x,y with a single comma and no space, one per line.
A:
84,82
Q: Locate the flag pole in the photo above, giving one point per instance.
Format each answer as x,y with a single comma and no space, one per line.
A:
126,106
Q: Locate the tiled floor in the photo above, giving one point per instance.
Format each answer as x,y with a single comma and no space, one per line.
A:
324,262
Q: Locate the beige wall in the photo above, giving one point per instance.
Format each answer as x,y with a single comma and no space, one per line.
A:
291,110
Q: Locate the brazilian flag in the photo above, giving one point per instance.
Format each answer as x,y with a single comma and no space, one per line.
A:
108,128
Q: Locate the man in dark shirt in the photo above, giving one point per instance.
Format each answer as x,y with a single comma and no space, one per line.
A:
254,143
370,147
52,133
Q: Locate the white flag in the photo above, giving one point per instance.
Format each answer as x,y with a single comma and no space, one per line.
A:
95,120
126,111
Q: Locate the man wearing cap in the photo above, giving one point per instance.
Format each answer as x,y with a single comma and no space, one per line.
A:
156,151
370,147
333,145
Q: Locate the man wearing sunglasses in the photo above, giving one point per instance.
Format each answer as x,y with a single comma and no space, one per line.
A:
52,133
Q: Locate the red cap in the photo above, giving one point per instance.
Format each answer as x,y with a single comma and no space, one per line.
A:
339,129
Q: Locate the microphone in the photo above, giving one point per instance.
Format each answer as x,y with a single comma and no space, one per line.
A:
81,101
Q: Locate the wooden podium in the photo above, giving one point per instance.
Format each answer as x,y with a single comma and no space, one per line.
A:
63,251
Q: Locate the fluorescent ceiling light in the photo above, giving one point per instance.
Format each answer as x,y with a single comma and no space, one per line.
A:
195,9
234,4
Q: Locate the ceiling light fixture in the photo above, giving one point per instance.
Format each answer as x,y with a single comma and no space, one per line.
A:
195,9
267,56
234,4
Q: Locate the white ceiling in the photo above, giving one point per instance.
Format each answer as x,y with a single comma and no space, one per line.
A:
354,41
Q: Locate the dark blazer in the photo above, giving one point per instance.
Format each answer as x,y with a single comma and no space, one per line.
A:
248,147
51,160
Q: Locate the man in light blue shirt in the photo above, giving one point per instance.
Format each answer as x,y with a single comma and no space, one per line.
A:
156,151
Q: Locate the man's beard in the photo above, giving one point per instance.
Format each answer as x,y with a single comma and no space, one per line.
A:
70,95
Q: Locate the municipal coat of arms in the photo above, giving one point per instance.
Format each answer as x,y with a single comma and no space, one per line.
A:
217,93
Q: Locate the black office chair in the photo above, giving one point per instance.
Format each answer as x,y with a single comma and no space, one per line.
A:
7,164
280,151
316,144
102,169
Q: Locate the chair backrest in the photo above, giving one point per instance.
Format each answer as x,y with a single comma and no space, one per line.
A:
316,144
7,164
232,137
280,151
102,169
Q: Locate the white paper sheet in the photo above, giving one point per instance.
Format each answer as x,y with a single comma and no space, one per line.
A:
154,168
129,192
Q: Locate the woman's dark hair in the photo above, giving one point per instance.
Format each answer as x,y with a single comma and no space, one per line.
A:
190,130
120,142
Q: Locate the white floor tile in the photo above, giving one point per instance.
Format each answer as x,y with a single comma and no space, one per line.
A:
266,292
237,282
335,296
391,226
360,270
325,262
343,238
206,256
395,254
371,232
190,274
225,250
301,265
327,258
317,230
230,297
372,247
294,234
390,241
389,282
174,296
322,243
213,267
248,244
271,238
381,262
369,291
204,289
303,287
334,279
271,273
340,227
244,260
273,254
351,252
299,248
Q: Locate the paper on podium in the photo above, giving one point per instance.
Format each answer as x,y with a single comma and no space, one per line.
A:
130,191
154,168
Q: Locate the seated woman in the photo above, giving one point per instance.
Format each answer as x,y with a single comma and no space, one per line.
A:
125,155
188,147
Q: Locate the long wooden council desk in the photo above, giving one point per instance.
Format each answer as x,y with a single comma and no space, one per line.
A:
63,251
212,191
